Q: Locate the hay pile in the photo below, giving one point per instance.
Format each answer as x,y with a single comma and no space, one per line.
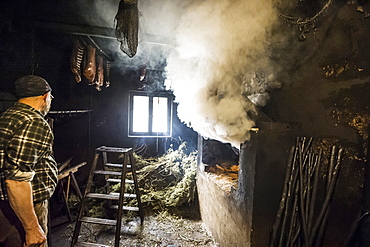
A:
167,181
164,182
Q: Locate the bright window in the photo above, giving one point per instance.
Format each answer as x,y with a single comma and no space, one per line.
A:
140,113
150,114
160,112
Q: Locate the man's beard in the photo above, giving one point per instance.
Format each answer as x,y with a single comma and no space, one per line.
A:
45,109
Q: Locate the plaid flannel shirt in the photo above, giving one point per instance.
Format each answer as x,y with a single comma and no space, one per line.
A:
26,143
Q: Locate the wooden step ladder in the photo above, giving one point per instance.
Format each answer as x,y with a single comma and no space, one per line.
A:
110,176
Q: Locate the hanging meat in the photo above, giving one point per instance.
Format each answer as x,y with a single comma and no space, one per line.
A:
99,79
90,65
127,26
76,59
107,74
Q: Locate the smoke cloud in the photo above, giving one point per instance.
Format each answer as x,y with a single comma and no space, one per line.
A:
217,55
220,70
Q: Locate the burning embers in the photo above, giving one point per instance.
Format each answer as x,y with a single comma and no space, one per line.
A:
221,162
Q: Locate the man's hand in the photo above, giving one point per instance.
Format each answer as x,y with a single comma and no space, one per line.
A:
35,237
21,200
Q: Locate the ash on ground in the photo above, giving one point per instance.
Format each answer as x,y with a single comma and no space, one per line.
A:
158,230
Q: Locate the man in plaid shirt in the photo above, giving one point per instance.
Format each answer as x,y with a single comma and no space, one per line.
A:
28,172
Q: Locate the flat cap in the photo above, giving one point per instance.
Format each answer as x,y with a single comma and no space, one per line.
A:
30,86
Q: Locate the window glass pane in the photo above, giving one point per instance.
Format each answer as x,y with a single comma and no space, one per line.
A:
160,114
140,114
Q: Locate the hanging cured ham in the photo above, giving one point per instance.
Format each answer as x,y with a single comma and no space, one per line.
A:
90,65
76,59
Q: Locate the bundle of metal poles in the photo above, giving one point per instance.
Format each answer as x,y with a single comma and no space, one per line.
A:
303,211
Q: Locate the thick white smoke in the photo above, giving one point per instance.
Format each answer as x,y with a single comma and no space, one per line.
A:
222,59
217,59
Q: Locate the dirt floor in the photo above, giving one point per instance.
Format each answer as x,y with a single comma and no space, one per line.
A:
169,199
159,229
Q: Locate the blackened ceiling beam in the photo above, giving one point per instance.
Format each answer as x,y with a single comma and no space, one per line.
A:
99,32
82,30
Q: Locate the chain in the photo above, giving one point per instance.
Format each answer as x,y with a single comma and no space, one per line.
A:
305,25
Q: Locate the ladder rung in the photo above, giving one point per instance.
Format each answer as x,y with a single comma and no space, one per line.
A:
127,208
126,195
110,196
113,149
116,165
112,173
103,196
85,244
99,221
116,180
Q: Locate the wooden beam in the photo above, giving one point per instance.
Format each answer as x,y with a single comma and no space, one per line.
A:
98,32
83,30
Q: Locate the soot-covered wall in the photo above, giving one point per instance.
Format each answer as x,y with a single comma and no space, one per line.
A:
324,95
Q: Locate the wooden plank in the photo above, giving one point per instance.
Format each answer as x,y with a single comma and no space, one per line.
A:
117,165
110,196
111,173
98,32
127,208
73,169
103,196
93,31
86,244
116,180
126,195
99,221
65,164
113,149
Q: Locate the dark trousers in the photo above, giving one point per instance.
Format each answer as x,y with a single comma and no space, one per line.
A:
11,230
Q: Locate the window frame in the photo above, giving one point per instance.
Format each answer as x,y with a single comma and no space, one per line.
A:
151,95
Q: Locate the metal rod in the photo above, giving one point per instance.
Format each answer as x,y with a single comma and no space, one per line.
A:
293,188
100,49
331,167
333,182
294,219
93,35
328,197
69,111
321,232
284,198
291,196
294,222
295,237
301,196
314,189
308,185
